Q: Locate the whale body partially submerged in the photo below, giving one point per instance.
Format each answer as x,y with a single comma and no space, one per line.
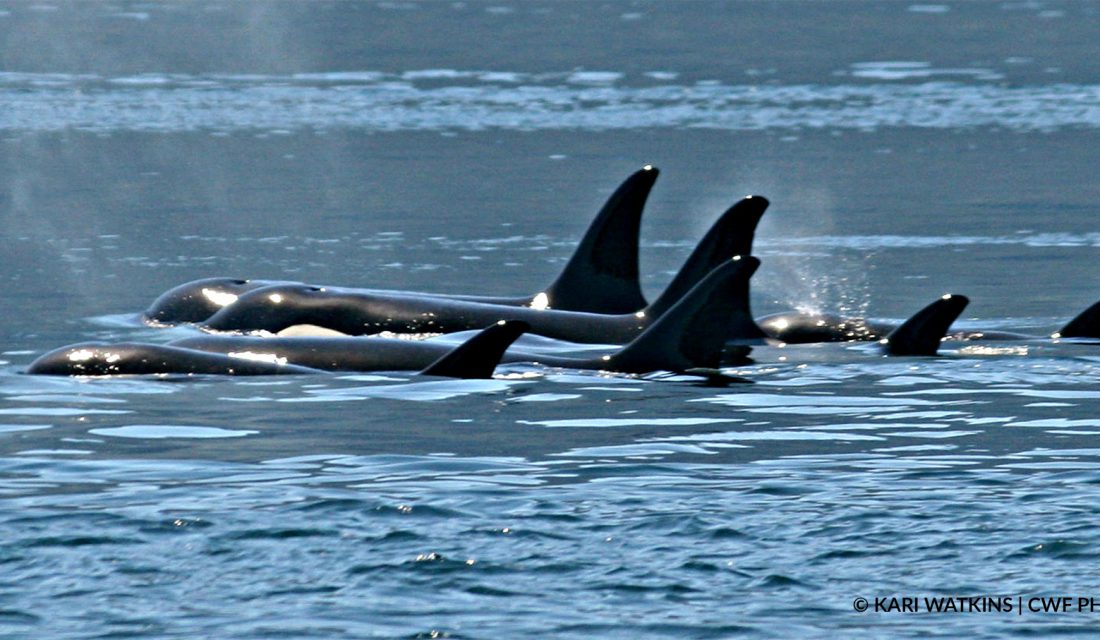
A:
600,277
691,336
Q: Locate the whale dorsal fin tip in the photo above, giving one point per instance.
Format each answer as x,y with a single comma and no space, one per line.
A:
479,356
693,333
922,333
602,275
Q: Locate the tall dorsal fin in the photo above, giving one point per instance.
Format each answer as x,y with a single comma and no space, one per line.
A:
1085,325
480,355
922,333
730,236
693,332
602,275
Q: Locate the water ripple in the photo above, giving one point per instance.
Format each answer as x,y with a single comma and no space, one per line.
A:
472,101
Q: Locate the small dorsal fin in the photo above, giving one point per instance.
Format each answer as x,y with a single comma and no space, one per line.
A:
602,275
694,331
480,355
1085,325
730,236
922,333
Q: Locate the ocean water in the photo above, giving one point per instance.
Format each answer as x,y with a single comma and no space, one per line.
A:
908,150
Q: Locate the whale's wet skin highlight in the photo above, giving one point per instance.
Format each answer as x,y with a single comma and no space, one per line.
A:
465,148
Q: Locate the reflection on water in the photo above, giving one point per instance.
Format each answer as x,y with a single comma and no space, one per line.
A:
164,431
836,392
423,391
651,498
443,100
149,144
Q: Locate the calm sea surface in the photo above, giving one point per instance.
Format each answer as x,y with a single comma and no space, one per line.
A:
908,149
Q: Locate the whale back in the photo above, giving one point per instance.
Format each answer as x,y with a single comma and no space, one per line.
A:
133,358
803,328
278,306
600,277
197,300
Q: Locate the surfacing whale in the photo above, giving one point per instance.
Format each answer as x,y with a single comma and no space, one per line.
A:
197,300
359,312
691,335
690,338
795,327
578,288
804,328
474,358
600,277
921,334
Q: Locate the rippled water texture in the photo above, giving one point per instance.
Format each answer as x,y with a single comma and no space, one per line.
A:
908,150
463,100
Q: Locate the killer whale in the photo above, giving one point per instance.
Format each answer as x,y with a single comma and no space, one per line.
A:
359,311
919,335
794,327
804,328
600,277
138,358
1084,325
923,332
692,335
197,300
474,358
807,328
690,338
578,288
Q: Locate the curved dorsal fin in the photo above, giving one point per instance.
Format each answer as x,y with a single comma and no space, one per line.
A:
1085,325
922,333
694,331
602,274
730,236
480,355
